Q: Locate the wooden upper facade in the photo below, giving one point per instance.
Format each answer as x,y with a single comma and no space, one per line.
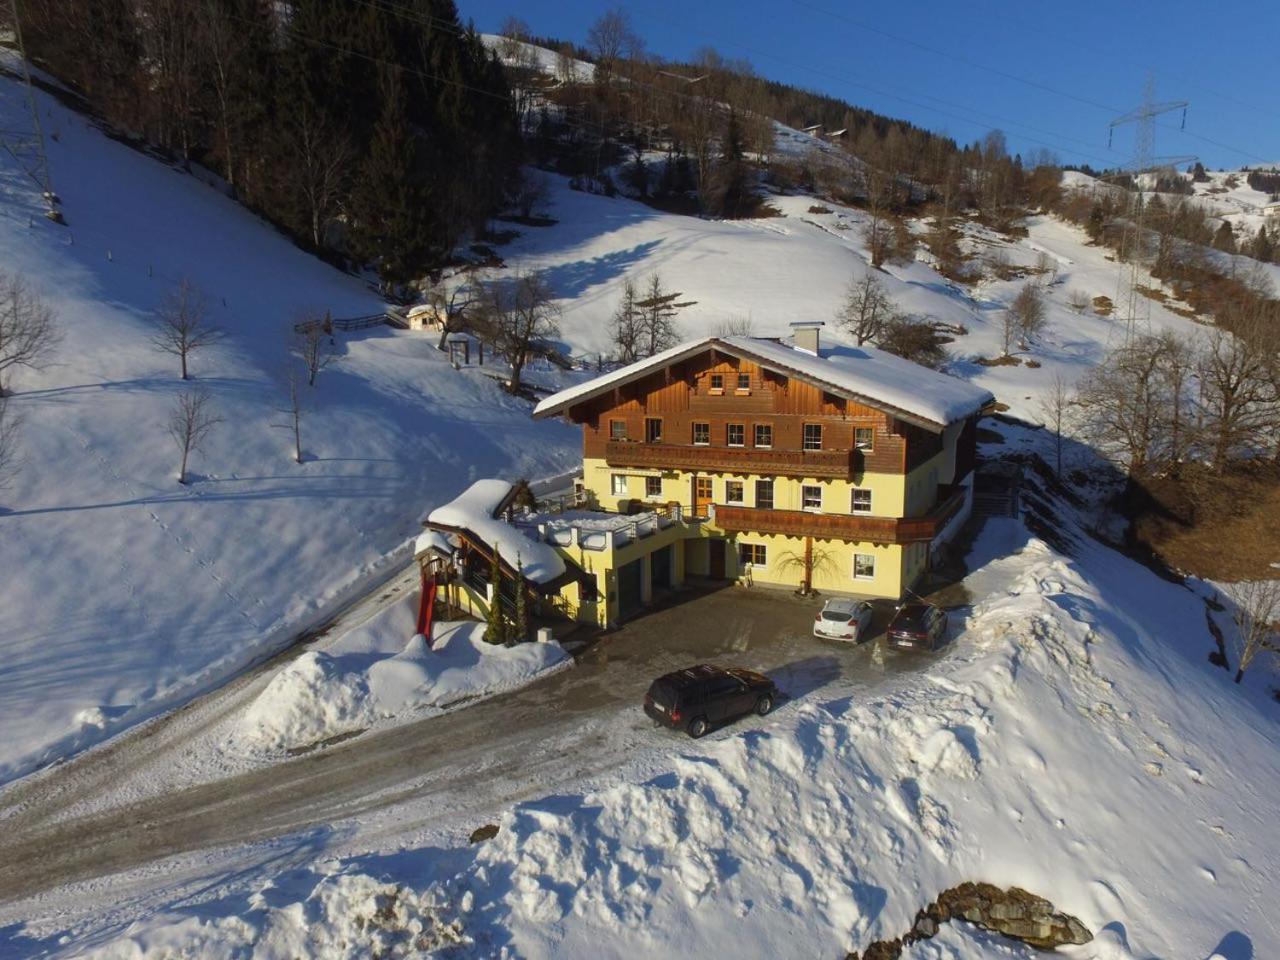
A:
719,413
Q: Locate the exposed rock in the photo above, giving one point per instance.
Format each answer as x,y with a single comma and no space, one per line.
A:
487,832
1014,913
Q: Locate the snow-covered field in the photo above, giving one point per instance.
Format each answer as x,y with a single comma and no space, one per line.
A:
1072,740
123,592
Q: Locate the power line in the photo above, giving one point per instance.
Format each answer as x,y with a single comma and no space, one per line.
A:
860,84
1036,84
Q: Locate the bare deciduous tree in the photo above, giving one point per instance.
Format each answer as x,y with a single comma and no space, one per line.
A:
182,325
313,343
611,38
739,325
866,309
1078,301
28,328
9,459
531,193
323,158
1024,319
1055,404
516,315
1257,619
453,299
189,425
1130,403
294,410
1238,389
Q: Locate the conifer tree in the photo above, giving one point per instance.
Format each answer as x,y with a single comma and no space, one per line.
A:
522,609
495,630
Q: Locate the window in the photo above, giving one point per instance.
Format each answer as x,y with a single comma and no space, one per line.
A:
764,435
860,501
653,486
736,434
717,383
652,429
751,555
701,434
733,491
811,497
764,494
619,487
617,429
813,436
864,438
744,381
864,566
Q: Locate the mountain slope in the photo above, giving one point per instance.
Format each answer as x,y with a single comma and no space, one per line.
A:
123,591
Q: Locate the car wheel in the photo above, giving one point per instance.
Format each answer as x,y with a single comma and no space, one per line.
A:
764,704
698,727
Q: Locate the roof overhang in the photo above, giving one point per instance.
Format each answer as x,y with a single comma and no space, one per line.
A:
643,369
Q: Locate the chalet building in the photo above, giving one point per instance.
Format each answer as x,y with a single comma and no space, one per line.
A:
780,463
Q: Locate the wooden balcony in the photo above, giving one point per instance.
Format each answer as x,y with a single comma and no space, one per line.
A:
839,526
739,460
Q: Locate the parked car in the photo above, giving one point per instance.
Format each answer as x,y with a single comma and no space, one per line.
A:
920,626
843,619
698,698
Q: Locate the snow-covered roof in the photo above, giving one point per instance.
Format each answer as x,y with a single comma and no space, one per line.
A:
863,374
473,510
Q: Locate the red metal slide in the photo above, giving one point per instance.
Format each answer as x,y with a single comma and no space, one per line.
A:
426,606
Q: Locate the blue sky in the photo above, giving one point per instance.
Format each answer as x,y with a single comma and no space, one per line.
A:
1048,74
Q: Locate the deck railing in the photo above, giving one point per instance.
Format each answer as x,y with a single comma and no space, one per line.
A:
674,456
839,526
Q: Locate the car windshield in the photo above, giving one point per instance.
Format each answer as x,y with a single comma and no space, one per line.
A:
841,616
911,617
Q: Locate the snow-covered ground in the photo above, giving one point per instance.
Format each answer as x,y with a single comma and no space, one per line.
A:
1072,740
122,592
379,674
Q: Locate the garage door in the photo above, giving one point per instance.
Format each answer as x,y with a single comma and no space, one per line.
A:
629,577
662,562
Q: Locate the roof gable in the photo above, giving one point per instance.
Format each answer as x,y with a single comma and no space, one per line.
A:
866,375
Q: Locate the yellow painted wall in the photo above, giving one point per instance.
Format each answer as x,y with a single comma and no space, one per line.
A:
833,565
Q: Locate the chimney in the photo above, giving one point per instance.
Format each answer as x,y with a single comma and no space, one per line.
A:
805,333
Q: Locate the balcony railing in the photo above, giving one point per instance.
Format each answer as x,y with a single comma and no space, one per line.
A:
672,456
839,526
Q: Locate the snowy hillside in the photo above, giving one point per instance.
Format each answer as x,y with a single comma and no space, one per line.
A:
1059,744
214,574
124,592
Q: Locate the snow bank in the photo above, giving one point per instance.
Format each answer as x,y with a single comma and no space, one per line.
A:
1060,745
348,916
474,510
373,676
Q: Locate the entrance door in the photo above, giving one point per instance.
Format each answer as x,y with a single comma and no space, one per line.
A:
662,564
701,496
717,548
629,596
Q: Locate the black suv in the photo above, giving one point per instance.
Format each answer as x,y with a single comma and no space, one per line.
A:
699,697
919,625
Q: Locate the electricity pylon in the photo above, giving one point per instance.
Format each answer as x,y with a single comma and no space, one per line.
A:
1136,307
20,132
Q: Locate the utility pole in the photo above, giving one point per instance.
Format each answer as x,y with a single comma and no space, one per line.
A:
20,131
1136,307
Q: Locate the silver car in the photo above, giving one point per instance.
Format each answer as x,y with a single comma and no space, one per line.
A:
843,619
